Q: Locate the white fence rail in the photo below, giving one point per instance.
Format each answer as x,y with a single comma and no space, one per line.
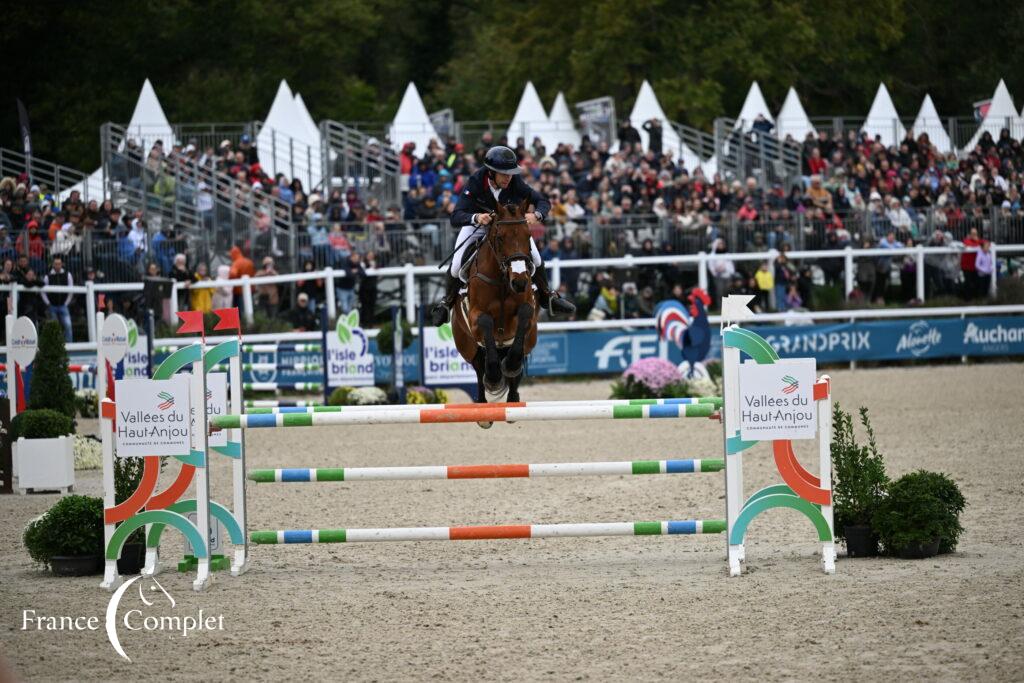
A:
409,273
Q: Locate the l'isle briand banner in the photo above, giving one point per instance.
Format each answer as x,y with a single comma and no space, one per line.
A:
349,360
442,363
777,400
153,417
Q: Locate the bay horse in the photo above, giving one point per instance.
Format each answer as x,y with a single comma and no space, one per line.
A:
495,324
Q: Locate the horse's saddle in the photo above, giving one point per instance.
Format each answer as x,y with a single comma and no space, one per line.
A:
472,250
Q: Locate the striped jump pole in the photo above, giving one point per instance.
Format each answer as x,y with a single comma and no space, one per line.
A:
482,412
275,367
273,348
271,410
88,369
255,348
279,386
488,533
272,403
560,469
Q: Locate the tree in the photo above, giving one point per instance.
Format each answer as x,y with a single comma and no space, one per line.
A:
51,384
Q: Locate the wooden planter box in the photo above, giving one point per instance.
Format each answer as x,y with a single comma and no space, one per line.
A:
45,464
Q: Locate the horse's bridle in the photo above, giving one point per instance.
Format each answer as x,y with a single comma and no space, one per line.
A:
495,243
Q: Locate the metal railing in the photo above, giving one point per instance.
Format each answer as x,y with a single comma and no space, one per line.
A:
754,154
350,160
53,177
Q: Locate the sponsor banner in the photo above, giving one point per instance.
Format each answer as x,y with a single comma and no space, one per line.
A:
993,336
24,341
777,400
217,404
349,360
153,417
442,363
114,338
610,352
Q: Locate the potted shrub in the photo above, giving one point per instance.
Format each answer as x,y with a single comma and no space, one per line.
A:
68,537
858,483
44,451
920,513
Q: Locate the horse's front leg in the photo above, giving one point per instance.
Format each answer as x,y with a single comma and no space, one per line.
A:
493,379
512,366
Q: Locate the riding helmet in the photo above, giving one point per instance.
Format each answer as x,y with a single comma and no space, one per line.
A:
501,159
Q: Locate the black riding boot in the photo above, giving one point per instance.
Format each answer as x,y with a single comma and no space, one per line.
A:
441,310
548,299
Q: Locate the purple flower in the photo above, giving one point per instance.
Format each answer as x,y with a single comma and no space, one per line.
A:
654,373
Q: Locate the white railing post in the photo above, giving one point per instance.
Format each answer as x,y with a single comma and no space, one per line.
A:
174,302
247,299
90,309
329,295
848,270
993,287
410,294
556,273
702,271
919,272
14,299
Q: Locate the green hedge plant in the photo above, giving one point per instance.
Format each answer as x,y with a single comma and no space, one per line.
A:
858,472
50,386
72,527
920,507
41,424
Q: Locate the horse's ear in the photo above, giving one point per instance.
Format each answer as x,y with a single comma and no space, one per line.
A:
524,206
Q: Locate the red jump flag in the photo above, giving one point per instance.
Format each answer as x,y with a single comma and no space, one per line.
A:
191,321
227,319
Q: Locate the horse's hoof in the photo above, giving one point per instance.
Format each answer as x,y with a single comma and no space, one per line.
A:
485,425
510,375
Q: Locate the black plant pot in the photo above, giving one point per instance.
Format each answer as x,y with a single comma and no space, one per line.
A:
133,557
861,541
919,551
76,565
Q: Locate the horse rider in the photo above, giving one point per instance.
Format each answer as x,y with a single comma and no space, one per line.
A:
498,181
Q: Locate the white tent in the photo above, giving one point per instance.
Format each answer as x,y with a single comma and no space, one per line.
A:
411,123
307,118
646,108
531,121
562,124
1001,114
792,119
147,125
883,120
286,144
752,106
928,121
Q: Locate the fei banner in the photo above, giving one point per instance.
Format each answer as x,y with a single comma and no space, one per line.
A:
611,352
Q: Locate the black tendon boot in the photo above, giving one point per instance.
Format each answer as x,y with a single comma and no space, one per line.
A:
552,301
440,311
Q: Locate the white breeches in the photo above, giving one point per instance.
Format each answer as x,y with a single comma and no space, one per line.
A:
470,234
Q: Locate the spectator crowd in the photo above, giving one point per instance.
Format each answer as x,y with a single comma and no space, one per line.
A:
607,200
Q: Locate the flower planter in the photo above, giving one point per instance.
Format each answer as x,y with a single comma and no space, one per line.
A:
919,551
79,565
45,464
861,541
